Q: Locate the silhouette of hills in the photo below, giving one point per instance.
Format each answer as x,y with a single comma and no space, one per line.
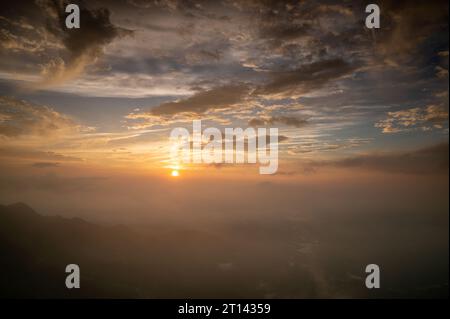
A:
241,259
117,261
36,249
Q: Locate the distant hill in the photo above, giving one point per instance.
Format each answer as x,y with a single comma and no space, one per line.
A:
35,250
257,258
115,261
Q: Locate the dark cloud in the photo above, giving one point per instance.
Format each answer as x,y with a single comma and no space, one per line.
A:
406,26
281,139
27,27
430,160
284,32
52,183
217,98
272,120
46,164
96,29
306,78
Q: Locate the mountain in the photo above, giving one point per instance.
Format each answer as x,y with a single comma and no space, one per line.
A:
259,258
115,261
36,249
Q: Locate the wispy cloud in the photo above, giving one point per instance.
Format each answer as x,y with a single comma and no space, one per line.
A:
427,118
20,118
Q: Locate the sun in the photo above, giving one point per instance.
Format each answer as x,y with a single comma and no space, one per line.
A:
175,173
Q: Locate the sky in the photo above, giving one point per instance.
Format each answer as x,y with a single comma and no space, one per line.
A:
86,114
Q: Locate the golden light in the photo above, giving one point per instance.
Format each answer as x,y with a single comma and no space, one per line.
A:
175,173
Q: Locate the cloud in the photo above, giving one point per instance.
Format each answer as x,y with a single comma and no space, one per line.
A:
217,98
22,28
432,116
52,183
311,145
304,79
84,45
273,120
202,103
279,32
335,8
441,72
20,118
65,53
231,62
429,160
406,27
34,155
46,164
131,85
18,43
